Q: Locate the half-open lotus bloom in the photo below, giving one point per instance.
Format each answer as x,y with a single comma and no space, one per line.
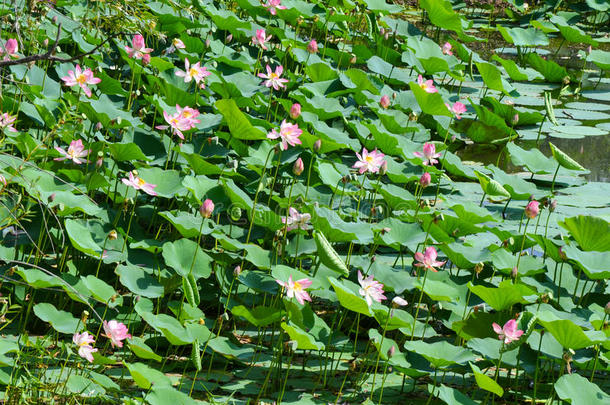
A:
295,111
116,332
178,44
532,209
447,49
371,289
273,5
207,208
429,156
273,78
369,161
11,47
139,184
84,341
194,72
6,121
76,152
427,85
138,49
81,78
509,332
296,289
289,135
425,180
261,39
428,259
296,220
457,108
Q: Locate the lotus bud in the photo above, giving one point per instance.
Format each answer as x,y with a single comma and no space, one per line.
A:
413,116
300,20
316,18
382,31
385,230
566,80
385,101
562,254
229,38
391,351
237,270
207,208
317,145
312,46
394,95
515,119
383,169
51,198
207,42
532,209
45,43
478,268
295,111
3,180
353,59
298,167
112,235
387,35
425,180
553,205
589,49
201,321
514,272
84,317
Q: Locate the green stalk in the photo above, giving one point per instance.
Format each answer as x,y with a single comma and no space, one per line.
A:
385,327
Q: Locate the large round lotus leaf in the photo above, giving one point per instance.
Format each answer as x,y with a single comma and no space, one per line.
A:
578,390
440,354
564,160
591,233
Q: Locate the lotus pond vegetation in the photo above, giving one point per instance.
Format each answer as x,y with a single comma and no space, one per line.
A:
304,202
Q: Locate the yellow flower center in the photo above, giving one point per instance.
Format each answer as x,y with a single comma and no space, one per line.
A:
297,286
369,159
193,72
141,182
81,79
273,76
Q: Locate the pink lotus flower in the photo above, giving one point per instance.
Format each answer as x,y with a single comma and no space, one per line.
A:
295,111
261,39
178,44
428,259
84,341
81,78
11,47
370,289
298,167
509,332
532,209
195,72
312,46
273,5
385,101
207,208
138,49
184,119
296,289
76,151
425,180
116,332
458,109
296,220
427,85
447,49
369,161
6,121
289,134
139,184
273,78
429,156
